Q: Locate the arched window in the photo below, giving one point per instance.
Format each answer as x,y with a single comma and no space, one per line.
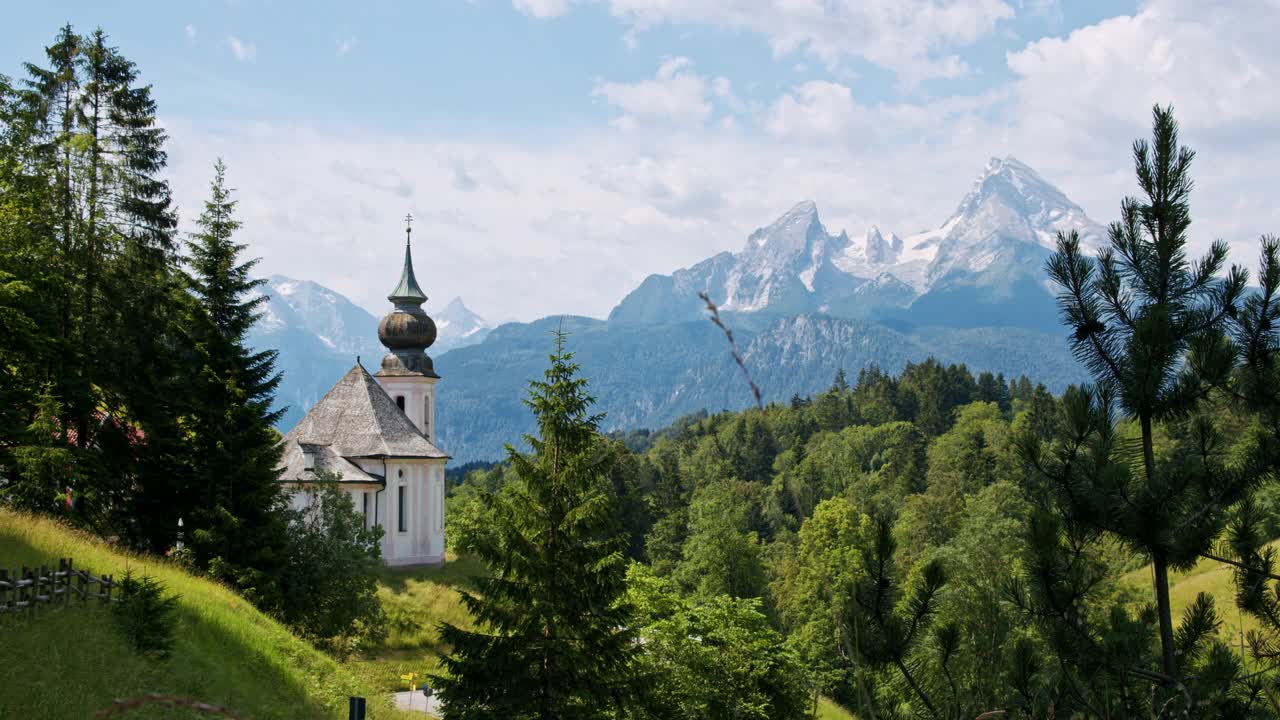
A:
400,402
426,416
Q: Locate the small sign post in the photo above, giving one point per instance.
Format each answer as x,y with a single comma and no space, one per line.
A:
411,678
355,708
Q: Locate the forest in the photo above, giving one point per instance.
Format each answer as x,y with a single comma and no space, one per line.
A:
935,544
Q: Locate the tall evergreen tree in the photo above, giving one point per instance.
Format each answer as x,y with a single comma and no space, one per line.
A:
554,638
1150,324
93,237
232,499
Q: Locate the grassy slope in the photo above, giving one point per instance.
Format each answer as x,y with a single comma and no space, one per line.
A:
417,601
828,710
1207,576
73,662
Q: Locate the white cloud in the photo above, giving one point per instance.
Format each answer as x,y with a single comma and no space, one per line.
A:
541,8
1216,63
675,93
244,51
190,30
815,109
914,38
722,88
523,231
1085,96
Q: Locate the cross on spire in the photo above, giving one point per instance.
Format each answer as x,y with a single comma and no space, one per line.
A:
408,290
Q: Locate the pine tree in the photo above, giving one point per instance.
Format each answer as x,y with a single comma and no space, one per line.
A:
93,237
841,383
232,499
26,279
554,639
887,619
1150,324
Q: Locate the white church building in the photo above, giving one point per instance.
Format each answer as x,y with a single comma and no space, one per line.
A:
377,434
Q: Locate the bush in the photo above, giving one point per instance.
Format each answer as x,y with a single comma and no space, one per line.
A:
145,615
330,577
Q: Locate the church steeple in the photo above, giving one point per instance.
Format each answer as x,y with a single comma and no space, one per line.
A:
408,292
407,331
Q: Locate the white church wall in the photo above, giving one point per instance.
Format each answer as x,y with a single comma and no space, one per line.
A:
422,540
298,499
363,497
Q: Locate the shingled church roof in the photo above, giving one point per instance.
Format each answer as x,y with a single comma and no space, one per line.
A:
356,419
326,460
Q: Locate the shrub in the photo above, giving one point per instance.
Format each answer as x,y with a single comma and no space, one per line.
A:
330,576
145,615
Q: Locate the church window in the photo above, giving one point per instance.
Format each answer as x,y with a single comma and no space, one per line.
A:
426,416
400,402
364,507
402,512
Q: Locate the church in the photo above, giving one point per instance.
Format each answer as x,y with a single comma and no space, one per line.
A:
376,434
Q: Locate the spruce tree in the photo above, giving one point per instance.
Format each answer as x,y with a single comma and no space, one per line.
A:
1150,325
233,499
93,235
553,639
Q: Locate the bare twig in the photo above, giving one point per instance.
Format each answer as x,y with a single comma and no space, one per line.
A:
733,346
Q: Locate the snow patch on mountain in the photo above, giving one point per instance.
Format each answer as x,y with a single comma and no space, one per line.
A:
457,326
1000,232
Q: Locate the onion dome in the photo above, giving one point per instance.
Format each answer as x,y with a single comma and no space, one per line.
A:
407,331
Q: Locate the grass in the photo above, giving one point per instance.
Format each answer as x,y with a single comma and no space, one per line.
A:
1207,576
828,710
416,601
70,662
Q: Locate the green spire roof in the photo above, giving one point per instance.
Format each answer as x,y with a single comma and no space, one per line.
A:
407,291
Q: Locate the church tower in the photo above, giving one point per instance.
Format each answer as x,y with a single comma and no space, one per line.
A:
407,373
377,433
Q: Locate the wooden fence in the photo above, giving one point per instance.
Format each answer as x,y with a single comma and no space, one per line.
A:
34,587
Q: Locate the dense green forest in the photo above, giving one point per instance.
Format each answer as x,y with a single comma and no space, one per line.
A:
931,544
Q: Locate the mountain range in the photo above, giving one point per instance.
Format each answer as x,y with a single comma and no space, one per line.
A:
802,302
983,266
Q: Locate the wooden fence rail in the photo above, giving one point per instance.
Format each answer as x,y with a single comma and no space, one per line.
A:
34,587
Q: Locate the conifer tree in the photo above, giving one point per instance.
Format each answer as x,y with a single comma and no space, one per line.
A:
554,638
1150,325
841,383
93,231
232,499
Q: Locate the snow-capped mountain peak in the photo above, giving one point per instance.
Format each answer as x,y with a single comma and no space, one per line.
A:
338,323
999,233
784,262
1010,196
458,326
791,233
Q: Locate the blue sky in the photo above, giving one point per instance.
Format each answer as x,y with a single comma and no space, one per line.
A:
556,151
454,66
